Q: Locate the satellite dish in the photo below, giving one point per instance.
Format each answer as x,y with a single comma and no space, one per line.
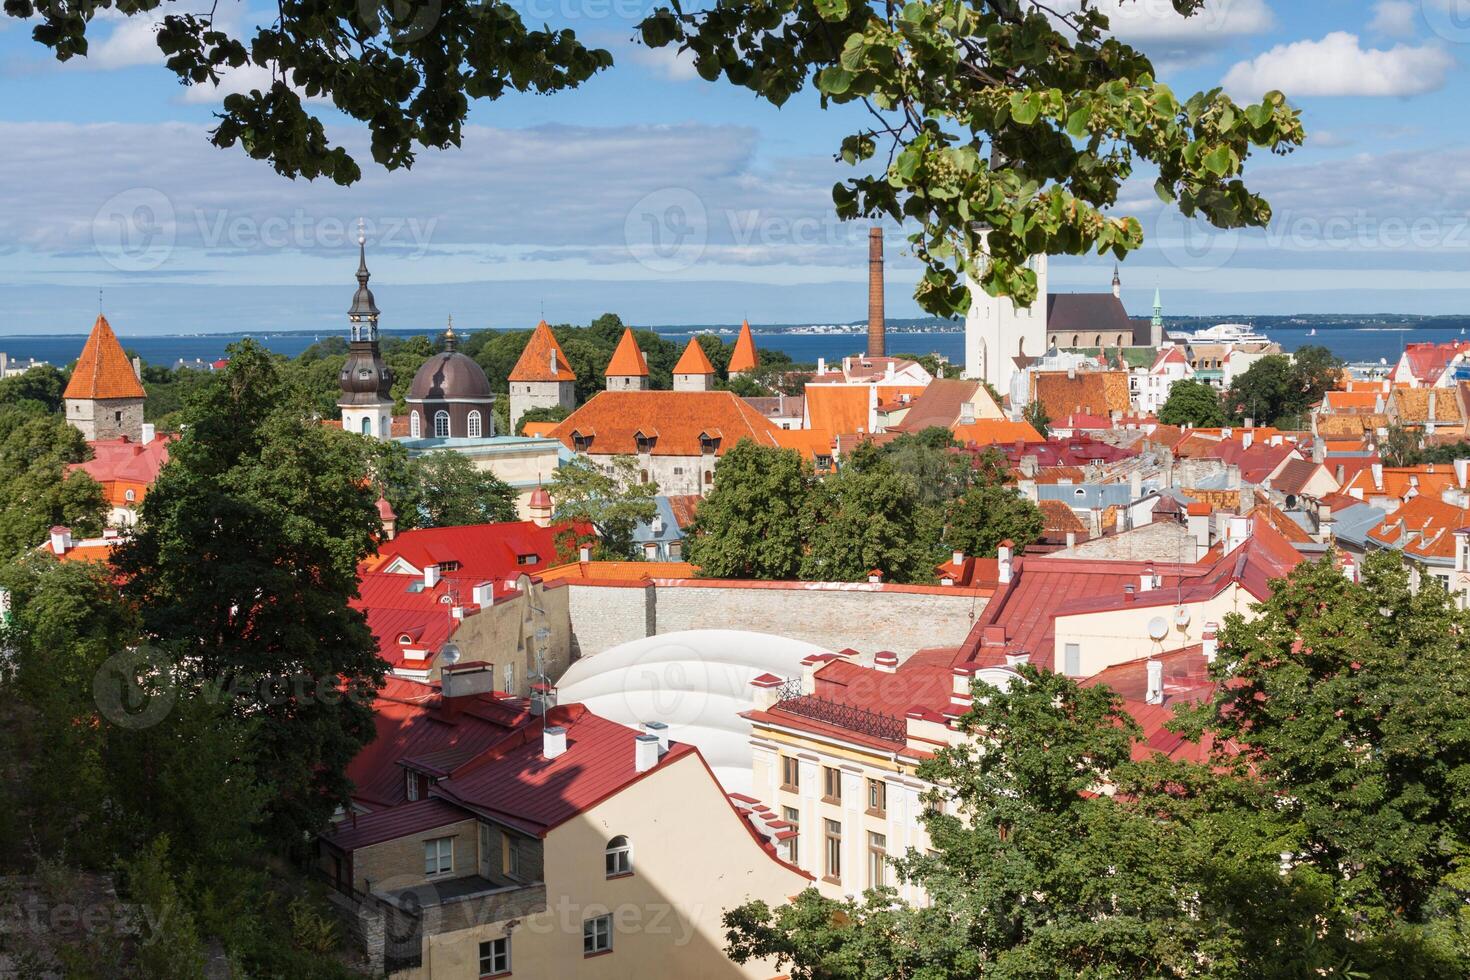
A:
449,654
1181,617
1158,628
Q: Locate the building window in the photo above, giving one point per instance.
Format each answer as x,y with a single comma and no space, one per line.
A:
833,869
877,860
709,477
510,859
642,476
580,442
709,445
1072,659
413,425
597,935
495,957
367,425
790,773
410,785
130,496
474,425
618,858
645,443
441,425
831,785
676,551
510,678
678,471
793,816
877,797
439,856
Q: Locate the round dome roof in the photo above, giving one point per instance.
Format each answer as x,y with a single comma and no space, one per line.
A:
449,375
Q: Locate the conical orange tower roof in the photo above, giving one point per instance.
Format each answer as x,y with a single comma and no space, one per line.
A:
743,357
628,359
103,370
542,360
694,360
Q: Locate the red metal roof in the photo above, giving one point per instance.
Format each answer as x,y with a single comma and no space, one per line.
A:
361,830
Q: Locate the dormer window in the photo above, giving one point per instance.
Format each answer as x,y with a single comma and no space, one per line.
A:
709,443
645,440
581,441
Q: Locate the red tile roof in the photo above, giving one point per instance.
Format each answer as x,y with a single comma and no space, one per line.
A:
536,363
743,357
675,420
121,465
990,432
838,408
627,359
1422,527
694,360
515,783
103,369
363,830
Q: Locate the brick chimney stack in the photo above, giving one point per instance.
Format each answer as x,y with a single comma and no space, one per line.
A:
875,292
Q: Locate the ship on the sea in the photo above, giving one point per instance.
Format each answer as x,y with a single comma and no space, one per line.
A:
1221,333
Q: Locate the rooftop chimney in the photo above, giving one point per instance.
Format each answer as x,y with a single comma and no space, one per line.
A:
149,432
660,731
1378,476
1462,471
1003,561
959,557
885,661
60,539
585,554
1155,693
821,365
554,741
645,752
1211,643
875,292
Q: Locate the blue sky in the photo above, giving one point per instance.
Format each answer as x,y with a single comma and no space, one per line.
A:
671,200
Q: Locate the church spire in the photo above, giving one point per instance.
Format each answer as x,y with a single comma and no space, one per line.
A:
364,312
1117,283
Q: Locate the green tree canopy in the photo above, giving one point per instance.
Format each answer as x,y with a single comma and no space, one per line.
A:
547,413
1013,115
750,524
613,503
452,491
864,521
1280,389
42,384
990,511
1192,402
35,448
1032,872
244,563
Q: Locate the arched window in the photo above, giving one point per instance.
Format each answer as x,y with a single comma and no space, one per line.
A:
618,857
474,428
441,425
367,425
130,496
413,425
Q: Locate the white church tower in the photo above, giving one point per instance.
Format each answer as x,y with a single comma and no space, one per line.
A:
997,331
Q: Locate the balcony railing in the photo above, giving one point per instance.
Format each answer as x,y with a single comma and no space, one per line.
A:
890,728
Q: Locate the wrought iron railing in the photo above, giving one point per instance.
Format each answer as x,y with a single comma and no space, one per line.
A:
890,728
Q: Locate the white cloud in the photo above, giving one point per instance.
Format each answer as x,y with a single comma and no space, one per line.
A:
132,42
1157,20
1395,18
1338,65
668,62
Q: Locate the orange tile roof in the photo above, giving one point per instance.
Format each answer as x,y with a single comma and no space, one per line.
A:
985,432
809,442
694,360
1347,401
1426,480
538,429
1093,392
1422,528
627,359
618,571
536,362
1060,518
1412,405
675,421
743,357
103,370
838,408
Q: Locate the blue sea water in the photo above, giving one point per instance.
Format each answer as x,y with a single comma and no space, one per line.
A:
1351,344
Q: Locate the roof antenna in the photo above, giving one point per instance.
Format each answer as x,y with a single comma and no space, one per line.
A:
99,302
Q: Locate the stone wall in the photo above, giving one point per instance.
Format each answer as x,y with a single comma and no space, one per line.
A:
832,615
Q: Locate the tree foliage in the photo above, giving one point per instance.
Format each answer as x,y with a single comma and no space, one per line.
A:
42,384
1192,402
1279,389
991,510
613,503
452,491
865,521
244,563
1009,115
750,524
35,448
